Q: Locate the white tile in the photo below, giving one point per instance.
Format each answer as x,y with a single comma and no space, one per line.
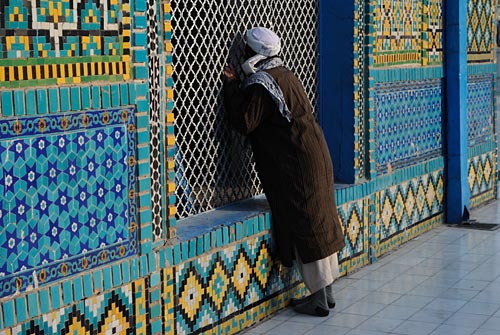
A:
467,284
323,330
379,324
487,296
493,323
413,301
290,328
364,332
415,328
265,326
364,308
482,308
385,298
397,312
424,270
351,294
482,331
431,315
455,330
467,320
450,305
461,294
345,320
285,314
429,291
365,284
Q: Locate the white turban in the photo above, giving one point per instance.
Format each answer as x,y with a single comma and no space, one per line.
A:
263,41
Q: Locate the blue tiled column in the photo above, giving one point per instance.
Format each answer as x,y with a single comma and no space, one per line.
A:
458,193
336,83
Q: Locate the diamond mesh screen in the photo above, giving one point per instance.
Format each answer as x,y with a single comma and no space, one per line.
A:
213,164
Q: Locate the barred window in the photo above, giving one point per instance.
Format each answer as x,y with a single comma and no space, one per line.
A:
213,164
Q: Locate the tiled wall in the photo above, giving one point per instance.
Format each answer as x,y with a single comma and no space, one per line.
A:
88,238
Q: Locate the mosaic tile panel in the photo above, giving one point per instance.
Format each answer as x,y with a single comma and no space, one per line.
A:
480,30
354,221
481,174
432,32
63,41
220,285
409,124
402,206
67,189
398,32
115,312
480,110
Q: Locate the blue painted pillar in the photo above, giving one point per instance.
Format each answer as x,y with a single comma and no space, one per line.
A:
458,193
336,84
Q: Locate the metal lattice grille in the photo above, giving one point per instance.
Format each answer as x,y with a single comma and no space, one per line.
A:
213,164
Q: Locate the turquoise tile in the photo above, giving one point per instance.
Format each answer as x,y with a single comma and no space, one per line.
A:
199,246
54,100
41,95
55,296
156,327
21,309
31,104
7,105
132,93
98,281
192,248
134,269
218,238
8,313
105,96
108,280
78,289
169,256
117,275
19,103
115,95
86,99
185,250
155,312
126,272
143,266
76,104
88,290
152,262
177,254
155,279
67,292
44,301
155,297
65,99
1,318
124,94
96,97
225,236
33,305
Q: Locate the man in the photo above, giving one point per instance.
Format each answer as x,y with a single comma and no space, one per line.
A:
293,164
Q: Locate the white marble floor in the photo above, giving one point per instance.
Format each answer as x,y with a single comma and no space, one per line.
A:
446,281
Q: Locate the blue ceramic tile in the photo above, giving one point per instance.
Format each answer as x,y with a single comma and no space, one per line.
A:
65,99
96,97
115,95
155,311
8,313
86,98
44,301
192,248
124,94
152,262
31,104
33,305
143,266
41,95
117,275
108,280
126,272
98,281
88,290
55,296
78,289
67,292
134,269
54,100
7,105
105,96
21,309
76,104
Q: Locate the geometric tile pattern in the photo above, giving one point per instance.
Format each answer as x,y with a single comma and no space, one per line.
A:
67,194
480,110
480,30
409,124
397,32
481,174
404,205
432,32
354,221
219,285
108,313
87,38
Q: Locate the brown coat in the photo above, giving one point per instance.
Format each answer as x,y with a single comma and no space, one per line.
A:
293,164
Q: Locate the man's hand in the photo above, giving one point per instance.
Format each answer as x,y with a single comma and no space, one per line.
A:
229,73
